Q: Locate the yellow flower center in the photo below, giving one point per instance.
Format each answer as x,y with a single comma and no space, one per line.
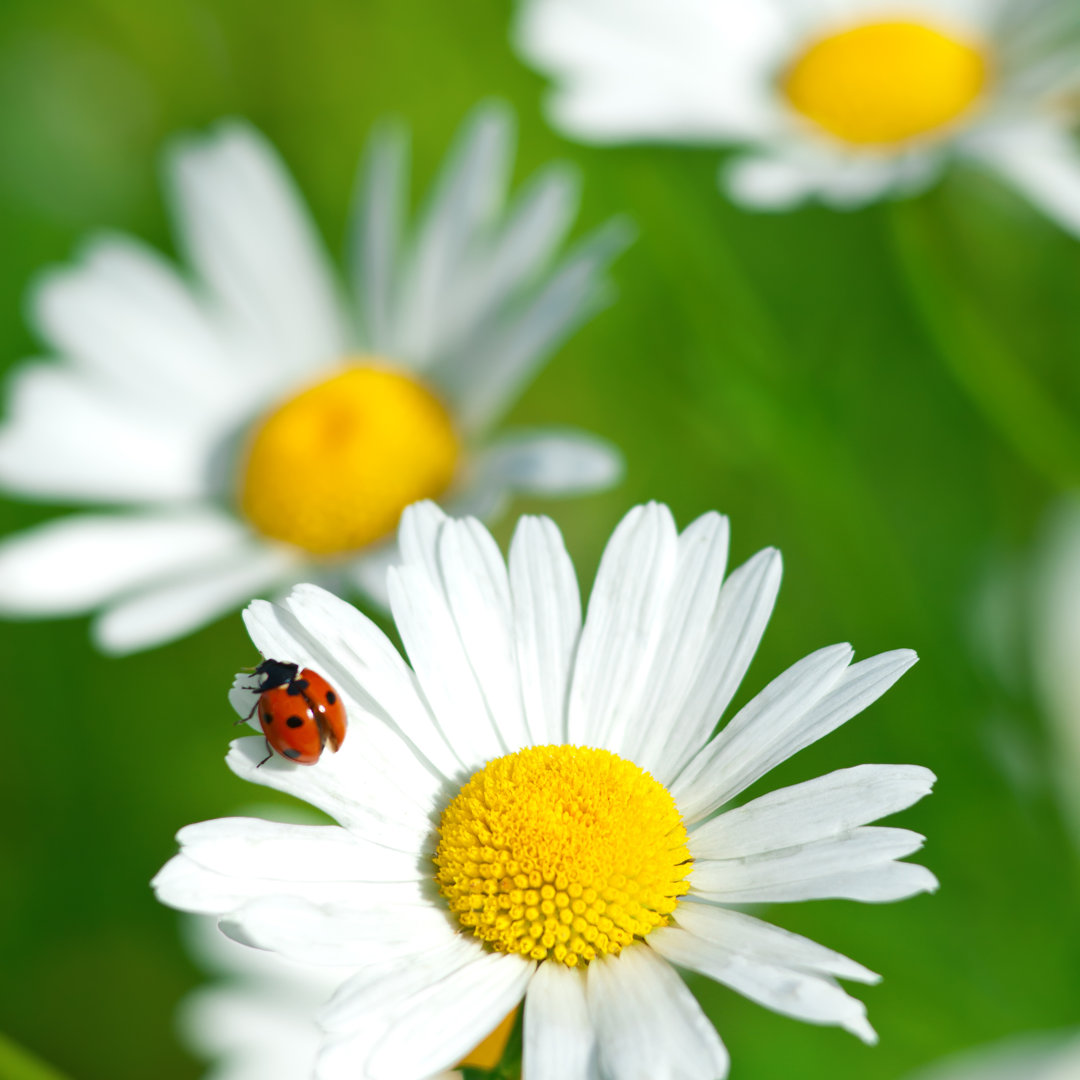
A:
332,468
885,83
562,852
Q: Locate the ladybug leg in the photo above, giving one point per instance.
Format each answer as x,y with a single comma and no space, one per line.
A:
245,719
269,755
257,691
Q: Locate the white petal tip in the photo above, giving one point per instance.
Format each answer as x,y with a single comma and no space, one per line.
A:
427,510
862,1030
114,638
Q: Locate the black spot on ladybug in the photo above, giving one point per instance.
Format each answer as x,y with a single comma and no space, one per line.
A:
291,753
297,687
295,721
331,697
267,717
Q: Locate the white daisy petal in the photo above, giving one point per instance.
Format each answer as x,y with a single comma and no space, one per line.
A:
389,985
441,664
727,646
779,181
169,611
273,851
249,236
258,1022
68,437
702,561
622,626
127,317
373,785
767,181
437,646
185,884
253,1036
75,563
375,762
635,71
1043,162
757,940
547,622
418,536
469,195
815,810
478,594
517,252
392,922
433,1028
783,989
357,657
648,1024
812,698
857,865
244,698
552,463
378,221
559,1040
297,910
486,382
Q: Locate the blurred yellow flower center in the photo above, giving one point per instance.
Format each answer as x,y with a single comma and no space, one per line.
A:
885,83
562,853
332,469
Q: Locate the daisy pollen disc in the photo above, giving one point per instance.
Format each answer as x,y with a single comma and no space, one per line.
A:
332,468
880,84
562,852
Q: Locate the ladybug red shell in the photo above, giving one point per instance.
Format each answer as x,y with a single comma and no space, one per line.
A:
299,711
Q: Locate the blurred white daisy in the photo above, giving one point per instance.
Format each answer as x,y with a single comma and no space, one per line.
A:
529,811
1050,1056
257,1022
258,425
841,100
1055,647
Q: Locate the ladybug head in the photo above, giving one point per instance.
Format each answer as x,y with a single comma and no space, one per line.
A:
275,673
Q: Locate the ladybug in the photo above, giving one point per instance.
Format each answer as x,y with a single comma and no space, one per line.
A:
299,712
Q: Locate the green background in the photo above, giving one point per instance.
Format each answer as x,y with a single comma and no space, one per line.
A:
888,396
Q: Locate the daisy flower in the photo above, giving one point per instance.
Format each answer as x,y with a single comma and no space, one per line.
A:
251,423
840,100
528,810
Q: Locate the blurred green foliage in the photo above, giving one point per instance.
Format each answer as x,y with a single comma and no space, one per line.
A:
889,396
17,1064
